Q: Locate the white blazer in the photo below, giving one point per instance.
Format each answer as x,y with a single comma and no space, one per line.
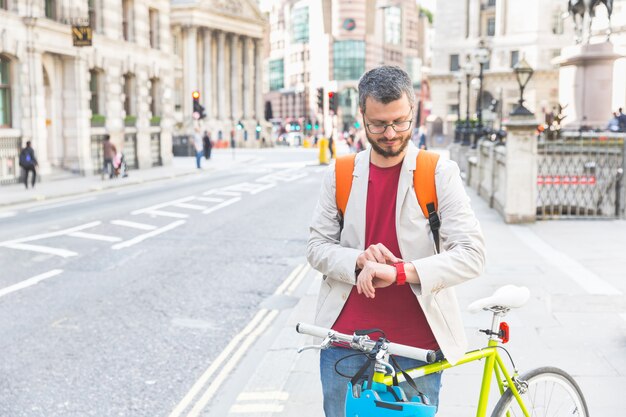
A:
334,251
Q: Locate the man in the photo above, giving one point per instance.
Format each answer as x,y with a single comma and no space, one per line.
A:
108,152
622,120
384,226
207,144
197,145
28,162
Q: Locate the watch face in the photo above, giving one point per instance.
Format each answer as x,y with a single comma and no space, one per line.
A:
349,24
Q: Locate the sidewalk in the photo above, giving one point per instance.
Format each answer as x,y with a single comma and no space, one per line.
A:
70,186
575,320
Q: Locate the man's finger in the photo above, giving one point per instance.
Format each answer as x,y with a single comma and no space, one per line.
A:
389,256
378,255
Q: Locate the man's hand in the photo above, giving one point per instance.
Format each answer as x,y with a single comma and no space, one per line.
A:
376,253
374,275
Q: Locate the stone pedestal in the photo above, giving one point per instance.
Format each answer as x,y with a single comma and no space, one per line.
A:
588,84
519,192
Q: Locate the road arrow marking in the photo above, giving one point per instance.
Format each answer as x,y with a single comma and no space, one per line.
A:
148,235
94,236
135,225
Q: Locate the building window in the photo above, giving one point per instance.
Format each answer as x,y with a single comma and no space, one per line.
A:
300,24
93,18
514,58
5,92
129,103
491,26
51,9
393,25
4,4
277,74
491,2
454,62
155,104
127,20
453,109
348,60
94,84
154,28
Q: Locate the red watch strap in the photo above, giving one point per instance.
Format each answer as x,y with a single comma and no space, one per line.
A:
401,276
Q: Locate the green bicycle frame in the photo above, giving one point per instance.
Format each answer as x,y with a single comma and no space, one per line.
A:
493,365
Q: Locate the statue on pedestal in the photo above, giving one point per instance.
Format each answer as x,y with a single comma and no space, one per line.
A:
579,8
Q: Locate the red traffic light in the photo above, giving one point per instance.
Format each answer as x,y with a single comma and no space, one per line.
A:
195,95
330,94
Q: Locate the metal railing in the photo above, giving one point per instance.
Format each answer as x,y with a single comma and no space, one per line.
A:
10,170
580,175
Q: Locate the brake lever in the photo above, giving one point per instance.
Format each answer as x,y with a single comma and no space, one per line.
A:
324,345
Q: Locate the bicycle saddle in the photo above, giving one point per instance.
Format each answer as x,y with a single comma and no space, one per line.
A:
509,296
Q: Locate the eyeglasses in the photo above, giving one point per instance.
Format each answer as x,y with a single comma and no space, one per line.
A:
402,126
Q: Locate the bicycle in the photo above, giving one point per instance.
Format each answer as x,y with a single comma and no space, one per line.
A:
544,391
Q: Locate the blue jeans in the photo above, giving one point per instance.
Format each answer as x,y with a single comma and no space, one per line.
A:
334,386
198,159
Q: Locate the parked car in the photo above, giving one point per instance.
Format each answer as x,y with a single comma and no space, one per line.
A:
291,139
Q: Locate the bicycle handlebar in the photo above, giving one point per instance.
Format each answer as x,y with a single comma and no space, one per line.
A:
366,343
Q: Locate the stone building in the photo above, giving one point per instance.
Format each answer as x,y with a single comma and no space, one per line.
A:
328,45
512,30
64,98
219,44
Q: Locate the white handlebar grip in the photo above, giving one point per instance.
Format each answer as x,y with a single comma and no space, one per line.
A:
312,330
423,355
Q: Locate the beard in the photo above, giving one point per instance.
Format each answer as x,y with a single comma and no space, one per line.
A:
382,150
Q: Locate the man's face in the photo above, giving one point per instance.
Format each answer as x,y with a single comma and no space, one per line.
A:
390,143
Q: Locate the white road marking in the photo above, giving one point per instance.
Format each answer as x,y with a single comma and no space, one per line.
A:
166,214
53,234
221,192
8,214
94,236
63,204
298,279
217,363
148,235
228,366
585,278
156,207
190,206
283,286
29,282
41,249
135,225
221,205
210,199
19,243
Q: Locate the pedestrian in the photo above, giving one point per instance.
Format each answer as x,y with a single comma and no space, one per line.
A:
197,144
366,255
330,146
421,139
108,152
614,123
28,162
622,120
207,144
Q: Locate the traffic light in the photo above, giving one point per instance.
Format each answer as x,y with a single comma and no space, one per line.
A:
357,124
198,109
258,130
309,125
332,102
317,126
239,125
320,99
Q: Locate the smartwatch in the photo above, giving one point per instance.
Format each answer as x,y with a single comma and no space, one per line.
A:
401,275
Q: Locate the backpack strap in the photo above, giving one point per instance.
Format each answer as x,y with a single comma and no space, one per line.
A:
426,191
344,167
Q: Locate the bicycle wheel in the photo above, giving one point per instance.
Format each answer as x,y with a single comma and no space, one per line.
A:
551,392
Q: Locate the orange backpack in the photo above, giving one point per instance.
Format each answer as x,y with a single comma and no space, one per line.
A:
423,183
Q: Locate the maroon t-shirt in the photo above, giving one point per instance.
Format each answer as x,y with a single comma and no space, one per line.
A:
395,310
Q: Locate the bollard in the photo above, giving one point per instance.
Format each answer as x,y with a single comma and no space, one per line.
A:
323,147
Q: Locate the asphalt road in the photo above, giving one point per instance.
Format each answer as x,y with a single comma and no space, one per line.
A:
113,304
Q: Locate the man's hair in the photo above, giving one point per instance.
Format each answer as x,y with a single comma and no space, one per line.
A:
27,143
107,137
385,84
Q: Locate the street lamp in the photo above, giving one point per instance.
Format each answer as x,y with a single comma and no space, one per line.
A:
481,54
523,72
458,77
468,70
